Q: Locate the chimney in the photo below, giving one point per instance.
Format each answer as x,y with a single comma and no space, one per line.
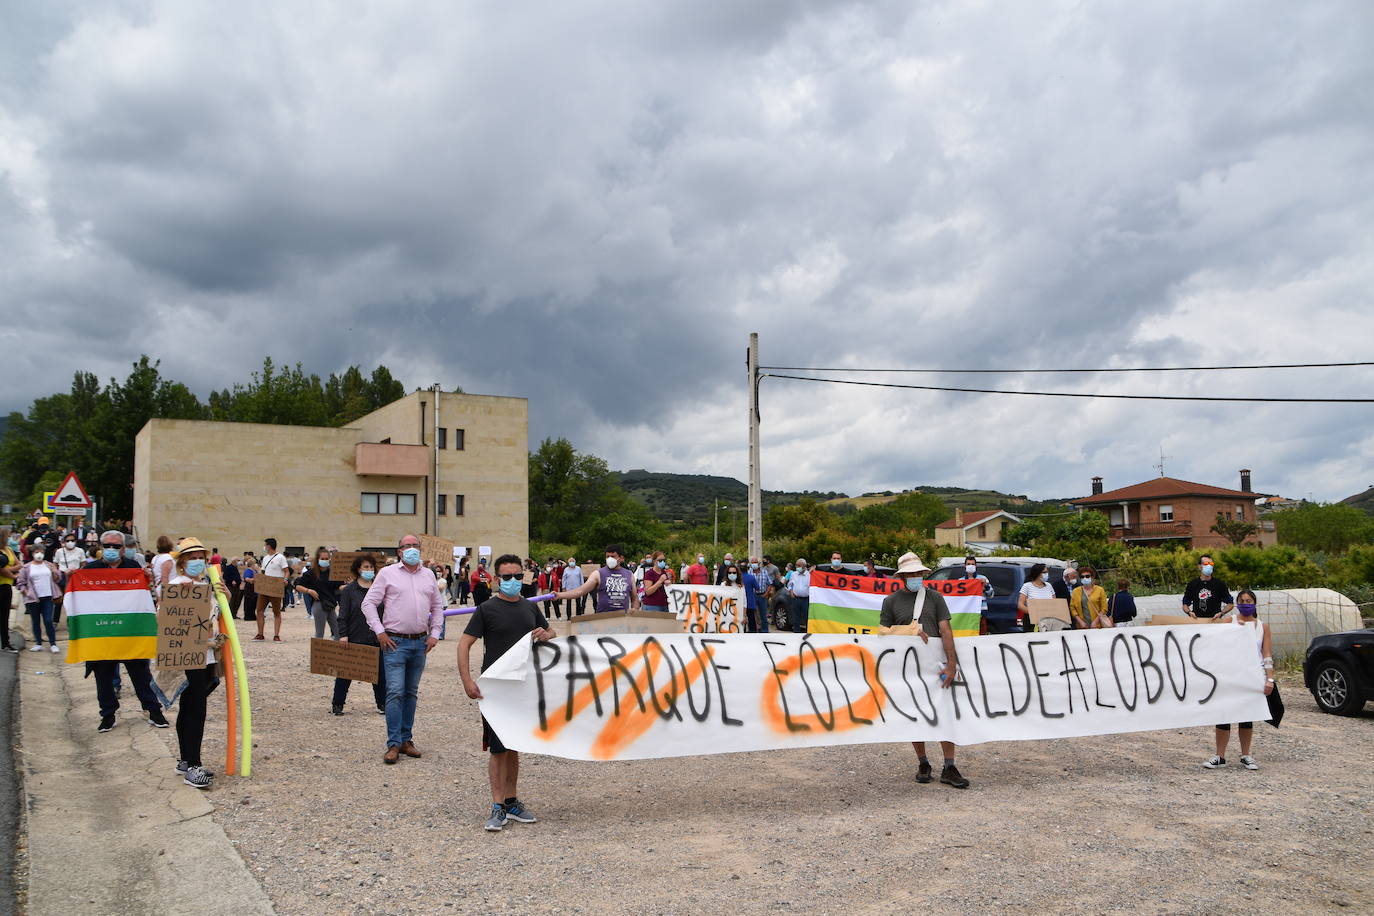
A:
1097,486
1245,480
959,518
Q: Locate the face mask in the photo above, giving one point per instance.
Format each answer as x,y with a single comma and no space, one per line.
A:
131,553
70,544
510,587
1087,580
662,564
612,562
195,568
367,575
110,554
835,561
1246,610
38,555
14,542
914,583
731,576
701,559
323,564
971,570
411,556
1207,569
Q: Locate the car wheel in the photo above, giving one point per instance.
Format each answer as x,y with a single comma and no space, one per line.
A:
1334,689
779,618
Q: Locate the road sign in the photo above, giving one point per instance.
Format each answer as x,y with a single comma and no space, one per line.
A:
71,494
47,501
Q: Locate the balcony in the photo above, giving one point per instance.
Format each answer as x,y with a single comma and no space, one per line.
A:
382,459
1152,531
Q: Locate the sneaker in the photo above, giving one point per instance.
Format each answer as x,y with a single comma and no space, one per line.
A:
381,710
198,777
1248,762
156,719
106,723
183,766
11,649
950,776
923,772
1215,761
498,817
54,650
36,647
336,709
517,811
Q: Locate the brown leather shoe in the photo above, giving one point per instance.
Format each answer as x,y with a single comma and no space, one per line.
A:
392,754
409,749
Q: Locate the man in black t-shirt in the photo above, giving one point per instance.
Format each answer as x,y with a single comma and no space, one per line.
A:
501,622
1207,596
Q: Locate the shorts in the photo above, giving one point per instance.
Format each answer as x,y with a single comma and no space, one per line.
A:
1243,725
490,740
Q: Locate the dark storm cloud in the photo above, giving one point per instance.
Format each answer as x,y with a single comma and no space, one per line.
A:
593,205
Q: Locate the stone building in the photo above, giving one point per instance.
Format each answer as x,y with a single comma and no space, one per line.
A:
462,475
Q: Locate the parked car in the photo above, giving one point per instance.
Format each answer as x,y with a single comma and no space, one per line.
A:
1339,670
1007,577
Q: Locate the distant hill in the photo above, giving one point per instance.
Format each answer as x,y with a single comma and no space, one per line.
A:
689,497
1363,500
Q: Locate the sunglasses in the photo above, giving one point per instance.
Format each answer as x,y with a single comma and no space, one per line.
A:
506,577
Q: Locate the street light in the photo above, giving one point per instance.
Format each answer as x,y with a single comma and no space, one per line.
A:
715,534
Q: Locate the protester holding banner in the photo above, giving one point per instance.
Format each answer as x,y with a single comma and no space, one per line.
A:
799,587
1247,615
106,671
353,628
613,584
500,623
1088,601
657,578
9,569
1207,596
315,585
920,611
274,566
189,565
39,582
404,609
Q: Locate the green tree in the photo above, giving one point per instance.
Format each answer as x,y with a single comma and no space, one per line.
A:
1328,528
1233,529
909,512
797,521
574,499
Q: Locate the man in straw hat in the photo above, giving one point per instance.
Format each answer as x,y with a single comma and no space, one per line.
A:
919,611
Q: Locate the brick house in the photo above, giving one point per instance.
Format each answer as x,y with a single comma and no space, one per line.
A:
1169,509
980,531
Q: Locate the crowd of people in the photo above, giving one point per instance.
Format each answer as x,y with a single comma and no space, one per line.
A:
397,604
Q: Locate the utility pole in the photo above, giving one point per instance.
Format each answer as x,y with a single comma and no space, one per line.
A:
715,511
755,486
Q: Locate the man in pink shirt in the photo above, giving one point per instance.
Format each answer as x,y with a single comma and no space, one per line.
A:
697,573
407,630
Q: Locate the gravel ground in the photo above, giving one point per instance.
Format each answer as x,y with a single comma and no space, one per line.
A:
1118,823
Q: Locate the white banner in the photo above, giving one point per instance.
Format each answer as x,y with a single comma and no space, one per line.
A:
708,608
633,697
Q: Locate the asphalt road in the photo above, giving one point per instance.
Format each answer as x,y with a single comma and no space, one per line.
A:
9,781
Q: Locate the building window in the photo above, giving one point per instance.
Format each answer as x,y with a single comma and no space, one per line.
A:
443,440
1166,512
982,532
458,438
441,504
387,504
457,503
1240,512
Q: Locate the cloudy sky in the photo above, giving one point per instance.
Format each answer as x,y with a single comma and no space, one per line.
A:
592,204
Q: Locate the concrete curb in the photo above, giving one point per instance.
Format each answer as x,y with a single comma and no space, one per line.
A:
111,828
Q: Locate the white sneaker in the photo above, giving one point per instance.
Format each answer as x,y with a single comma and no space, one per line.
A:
36,648
1249,762
54,649
1215,762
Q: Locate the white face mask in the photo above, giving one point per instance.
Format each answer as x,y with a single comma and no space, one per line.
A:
612,562
971,570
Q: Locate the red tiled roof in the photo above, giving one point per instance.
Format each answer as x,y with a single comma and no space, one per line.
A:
1162,488
970,518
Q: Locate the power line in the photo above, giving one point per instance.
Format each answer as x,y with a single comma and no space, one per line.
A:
1046,371
1077,394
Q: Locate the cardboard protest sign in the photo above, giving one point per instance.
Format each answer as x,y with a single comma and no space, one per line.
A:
350,661
846,603
635,697
435,550
270,586
612,623
341,564
1048,609
1173,620
708,608
185,625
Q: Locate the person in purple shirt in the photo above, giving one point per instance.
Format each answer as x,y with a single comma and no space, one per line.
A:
613,583
407,628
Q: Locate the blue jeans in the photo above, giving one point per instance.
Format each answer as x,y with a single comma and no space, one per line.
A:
403,665
41,612
756,617
309,606
800,613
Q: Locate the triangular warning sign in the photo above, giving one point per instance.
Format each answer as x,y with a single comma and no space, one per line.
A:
72,493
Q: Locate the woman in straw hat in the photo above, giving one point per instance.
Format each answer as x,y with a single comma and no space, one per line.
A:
919,611
191,560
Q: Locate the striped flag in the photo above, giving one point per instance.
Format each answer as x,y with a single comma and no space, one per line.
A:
110,615
844,603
